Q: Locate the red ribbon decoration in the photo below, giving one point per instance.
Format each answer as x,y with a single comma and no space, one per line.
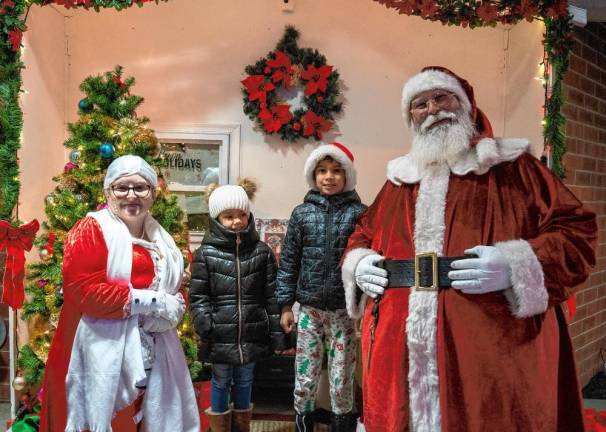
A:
16,241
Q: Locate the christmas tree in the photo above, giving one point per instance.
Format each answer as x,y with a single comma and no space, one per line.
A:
107,127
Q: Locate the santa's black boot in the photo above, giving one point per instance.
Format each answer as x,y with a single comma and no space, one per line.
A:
304,422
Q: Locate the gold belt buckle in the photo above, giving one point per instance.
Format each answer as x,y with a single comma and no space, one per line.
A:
434,268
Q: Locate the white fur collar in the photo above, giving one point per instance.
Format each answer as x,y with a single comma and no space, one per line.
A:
479,159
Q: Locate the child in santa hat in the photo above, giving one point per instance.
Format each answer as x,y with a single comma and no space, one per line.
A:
233,306
310,274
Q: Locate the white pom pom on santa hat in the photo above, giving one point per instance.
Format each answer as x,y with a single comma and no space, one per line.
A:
432,79
339,153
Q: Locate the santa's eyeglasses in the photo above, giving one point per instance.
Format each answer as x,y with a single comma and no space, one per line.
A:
140,190
441,100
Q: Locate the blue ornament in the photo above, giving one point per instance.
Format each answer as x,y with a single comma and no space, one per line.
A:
106,150
85,105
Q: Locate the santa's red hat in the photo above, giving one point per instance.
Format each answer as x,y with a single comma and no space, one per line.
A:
438,77
339,153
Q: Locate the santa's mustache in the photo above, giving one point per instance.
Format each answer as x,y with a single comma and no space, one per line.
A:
434,118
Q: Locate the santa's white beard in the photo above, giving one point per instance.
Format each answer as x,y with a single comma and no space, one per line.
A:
443,143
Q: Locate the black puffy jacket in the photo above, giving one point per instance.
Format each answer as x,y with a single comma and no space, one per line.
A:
318,229
232,296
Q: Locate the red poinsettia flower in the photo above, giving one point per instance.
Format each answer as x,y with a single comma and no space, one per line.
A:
5,5
488,12
528,10
315,124
257,87
429,8
14,37
407,7
317,78
282,67
559,9
276,117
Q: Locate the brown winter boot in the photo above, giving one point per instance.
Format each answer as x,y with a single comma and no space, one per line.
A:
219,422
241,419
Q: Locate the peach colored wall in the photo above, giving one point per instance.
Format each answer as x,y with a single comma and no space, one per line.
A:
42,155
188,57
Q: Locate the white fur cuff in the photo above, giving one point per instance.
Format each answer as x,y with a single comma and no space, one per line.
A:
348,274
528,295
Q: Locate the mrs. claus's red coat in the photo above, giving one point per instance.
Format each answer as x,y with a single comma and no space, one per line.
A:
86,291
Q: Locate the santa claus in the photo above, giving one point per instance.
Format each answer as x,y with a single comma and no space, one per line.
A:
467,252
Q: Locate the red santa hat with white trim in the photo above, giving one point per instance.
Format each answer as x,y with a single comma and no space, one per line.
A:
438,77
337,152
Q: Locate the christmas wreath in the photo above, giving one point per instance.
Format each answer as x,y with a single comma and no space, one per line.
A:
286,69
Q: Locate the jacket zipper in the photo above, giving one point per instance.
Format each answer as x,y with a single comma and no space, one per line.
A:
328,255
239,298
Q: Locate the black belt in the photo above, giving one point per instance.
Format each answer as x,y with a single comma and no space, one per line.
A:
426,272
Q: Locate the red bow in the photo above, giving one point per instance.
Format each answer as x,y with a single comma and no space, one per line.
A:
16,241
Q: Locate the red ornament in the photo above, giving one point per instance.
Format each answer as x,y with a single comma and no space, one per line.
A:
70,166
317,78
320,99
50,244
42,283
16,241
257,87
315,125
118,81
275,118
267,70
283,69
296,126
14,37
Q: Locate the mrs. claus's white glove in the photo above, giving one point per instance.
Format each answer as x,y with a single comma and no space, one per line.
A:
488,273
371,279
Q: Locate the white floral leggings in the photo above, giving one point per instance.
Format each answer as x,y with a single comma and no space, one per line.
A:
330,332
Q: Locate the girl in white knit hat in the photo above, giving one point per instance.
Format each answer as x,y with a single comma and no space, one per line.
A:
233,306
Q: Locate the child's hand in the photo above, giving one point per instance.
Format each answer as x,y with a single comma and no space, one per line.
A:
287,320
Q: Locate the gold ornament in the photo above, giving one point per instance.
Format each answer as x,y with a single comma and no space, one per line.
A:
44,254
19,383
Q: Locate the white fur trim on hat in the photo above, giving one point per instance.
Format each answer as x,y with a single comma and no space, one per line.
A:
338,155
431,79
227,197
129,165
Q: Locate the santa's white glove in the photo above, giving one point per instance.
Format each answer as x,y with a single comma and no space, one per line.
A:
371,279
152,324
488,273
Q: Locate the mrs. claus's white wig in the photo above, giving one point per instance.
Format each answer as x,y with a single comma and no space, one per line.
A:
129,165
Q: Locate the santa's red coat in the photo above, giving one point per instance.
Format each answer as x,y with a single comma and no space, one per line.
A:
497,371
86,291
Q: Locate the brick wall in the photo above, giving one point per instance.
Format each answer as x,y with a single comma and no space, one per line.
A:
585,161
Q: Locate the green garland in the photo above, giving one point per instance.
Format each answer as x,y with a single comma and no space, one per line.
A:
557,43
11,116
